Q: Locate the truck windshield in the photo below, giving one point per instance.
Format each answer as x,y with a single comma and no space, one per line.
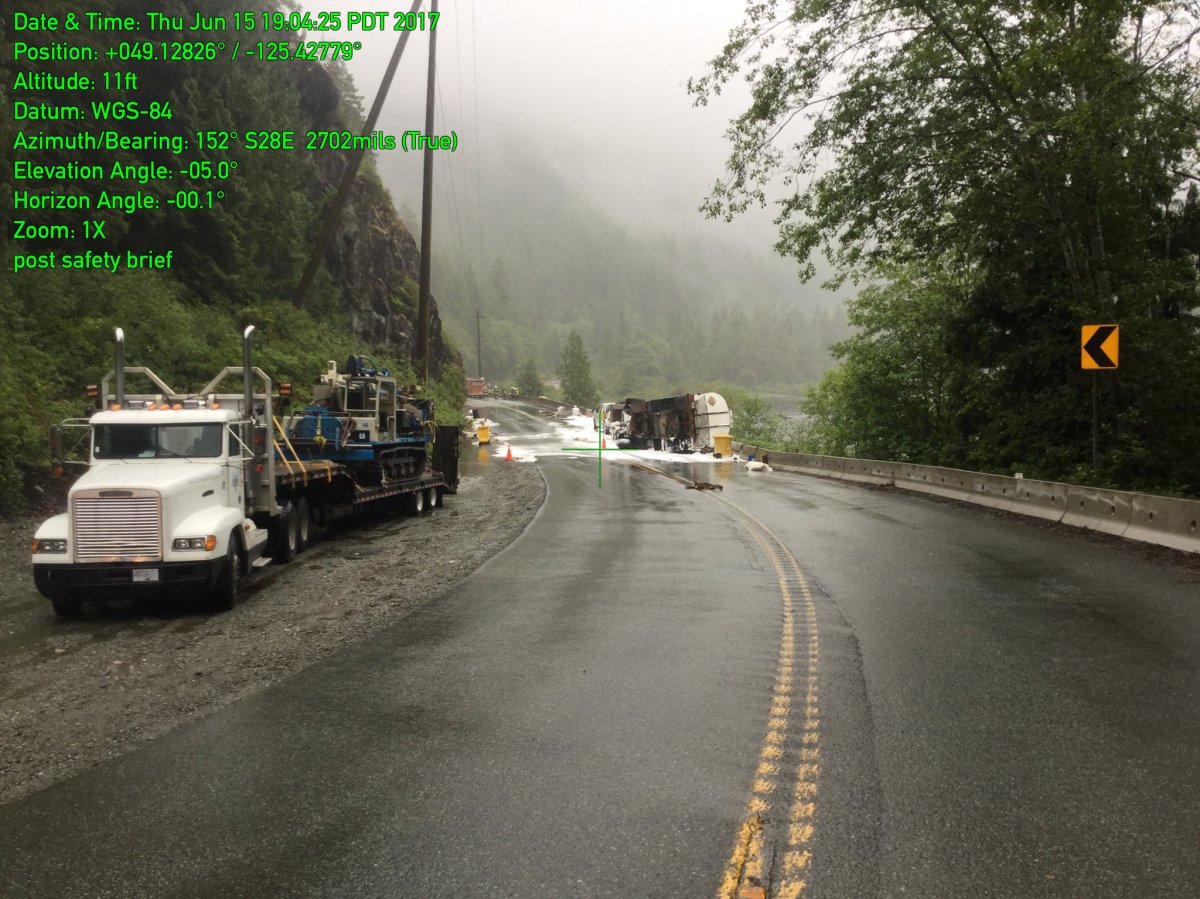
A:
184,441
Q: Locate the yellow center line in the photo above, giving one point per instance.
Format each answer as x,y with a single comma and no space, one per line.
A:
745,872
783,752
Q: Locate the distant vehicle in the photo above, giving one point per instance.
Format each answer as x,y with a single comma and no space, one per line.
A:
682,424
610,417
476,386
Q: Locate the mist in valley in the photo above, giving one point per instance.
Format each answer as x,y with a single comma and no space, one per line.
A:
572,201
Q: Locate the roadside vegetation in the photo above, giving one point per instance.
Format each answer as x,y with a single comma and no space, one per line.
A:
234,264
985,181
59,338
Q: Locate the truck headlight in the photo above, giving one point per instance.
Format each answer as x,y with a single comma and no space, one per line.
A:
49,546
182,544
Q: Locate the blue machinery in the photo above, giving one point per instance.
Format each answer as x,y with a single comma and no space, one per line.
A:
359,418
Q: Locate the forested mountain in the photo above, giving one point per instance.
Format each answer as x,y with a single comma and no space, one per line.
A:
235,263
658,313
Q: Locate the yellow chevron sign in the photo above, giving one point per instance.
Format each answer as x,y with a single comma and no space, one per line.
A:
1098,346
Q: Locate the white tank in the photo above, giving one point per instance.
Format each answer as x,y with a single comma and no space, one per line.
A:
712,417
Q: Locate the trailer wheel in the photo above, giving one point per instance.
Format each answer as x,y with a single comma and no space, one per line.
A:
431,497
418,502
224,594
66,606
303,519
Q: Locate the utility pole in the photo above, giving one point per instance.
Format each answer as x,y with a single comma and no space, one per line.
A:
427,214
478,344
353,161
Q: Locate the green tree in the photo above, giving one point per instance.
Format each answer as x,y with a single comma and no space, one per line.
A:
945,117
529,382
450,396
895,395
756,422
576,371
1042,148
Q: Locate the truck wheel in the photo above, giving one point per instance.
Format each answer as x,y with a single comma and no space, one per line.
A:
418,502
66,606
431,497
283,535
303,519
224,594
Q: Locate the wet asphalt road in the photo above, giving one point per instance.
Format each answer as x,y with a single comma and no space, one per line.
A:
1007,710
1034,698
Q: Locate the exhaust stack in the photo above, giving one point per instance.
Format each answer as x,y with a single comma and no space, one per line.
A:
247,373
120,338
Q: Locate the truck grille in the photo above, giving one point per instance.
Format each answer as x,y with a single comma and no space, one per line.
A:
125,528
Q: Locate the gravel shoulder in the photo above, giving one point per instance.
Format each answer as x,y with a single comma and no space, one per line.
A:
75,693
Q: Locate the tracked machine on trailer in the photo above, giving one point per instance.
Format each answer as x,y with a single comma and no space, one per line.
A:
360,419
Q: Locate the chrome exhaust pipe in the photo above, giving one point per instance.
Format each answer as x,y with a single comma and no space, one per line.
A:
120,338
247,374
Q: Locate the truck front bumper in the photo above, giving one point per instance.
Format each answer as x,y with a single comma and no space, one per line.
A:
119,578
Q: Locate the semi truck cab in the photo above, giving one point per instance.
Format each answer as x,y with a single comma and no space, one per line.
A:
162,504
169,494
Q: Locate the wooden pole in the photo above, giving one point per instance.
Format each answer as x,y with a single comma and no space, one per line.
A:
427,215
354,160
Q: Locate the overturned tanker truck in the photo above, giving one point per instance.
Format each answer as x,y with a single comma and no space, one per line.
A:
689,423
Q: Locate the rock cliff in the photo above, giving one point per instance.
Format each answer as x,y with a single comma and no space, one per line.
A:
373,258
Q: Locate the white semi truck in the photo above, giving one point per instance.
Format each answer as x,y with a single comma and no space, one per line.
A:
189,491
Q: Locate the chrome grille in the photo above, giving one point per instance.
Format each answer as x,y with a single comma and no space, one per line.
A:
118,529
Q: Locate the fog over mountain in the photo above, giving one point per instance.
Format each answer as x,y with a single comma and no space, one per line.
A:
575,126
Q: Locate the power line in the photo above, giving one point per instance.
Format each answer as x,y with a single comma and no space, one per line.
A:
450,173
476,144
478,343
354,160
423,299
461,112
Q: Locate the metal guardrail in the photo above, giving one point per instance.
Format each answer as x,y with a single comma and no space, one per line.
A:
1162,520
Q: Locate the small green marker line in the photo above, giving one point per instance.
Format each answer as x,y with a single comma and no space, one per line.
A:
598,450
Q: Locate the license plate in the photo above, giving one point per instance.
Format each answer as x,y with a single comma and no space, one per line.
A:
145,575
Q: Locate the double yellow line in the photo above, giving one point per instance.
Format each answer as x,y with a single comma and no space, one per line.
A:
782,806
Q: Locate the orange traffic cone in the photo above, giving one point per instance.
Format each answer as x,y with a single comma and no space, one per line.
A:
508,455
603,443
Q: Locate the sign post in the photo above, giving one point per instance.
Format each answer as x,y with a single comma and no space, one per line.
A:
1098,351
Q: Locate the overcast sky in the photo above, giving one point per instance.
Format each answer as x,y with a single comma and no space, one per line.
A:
598,86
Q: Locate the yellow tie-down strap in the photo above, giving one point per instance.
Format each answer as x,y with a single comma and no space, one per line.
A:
324,464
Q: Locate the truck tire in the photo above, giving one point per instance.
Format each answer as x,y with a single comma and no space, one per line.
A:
303,522
224,593
418,502
66,606
431,497
283,535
